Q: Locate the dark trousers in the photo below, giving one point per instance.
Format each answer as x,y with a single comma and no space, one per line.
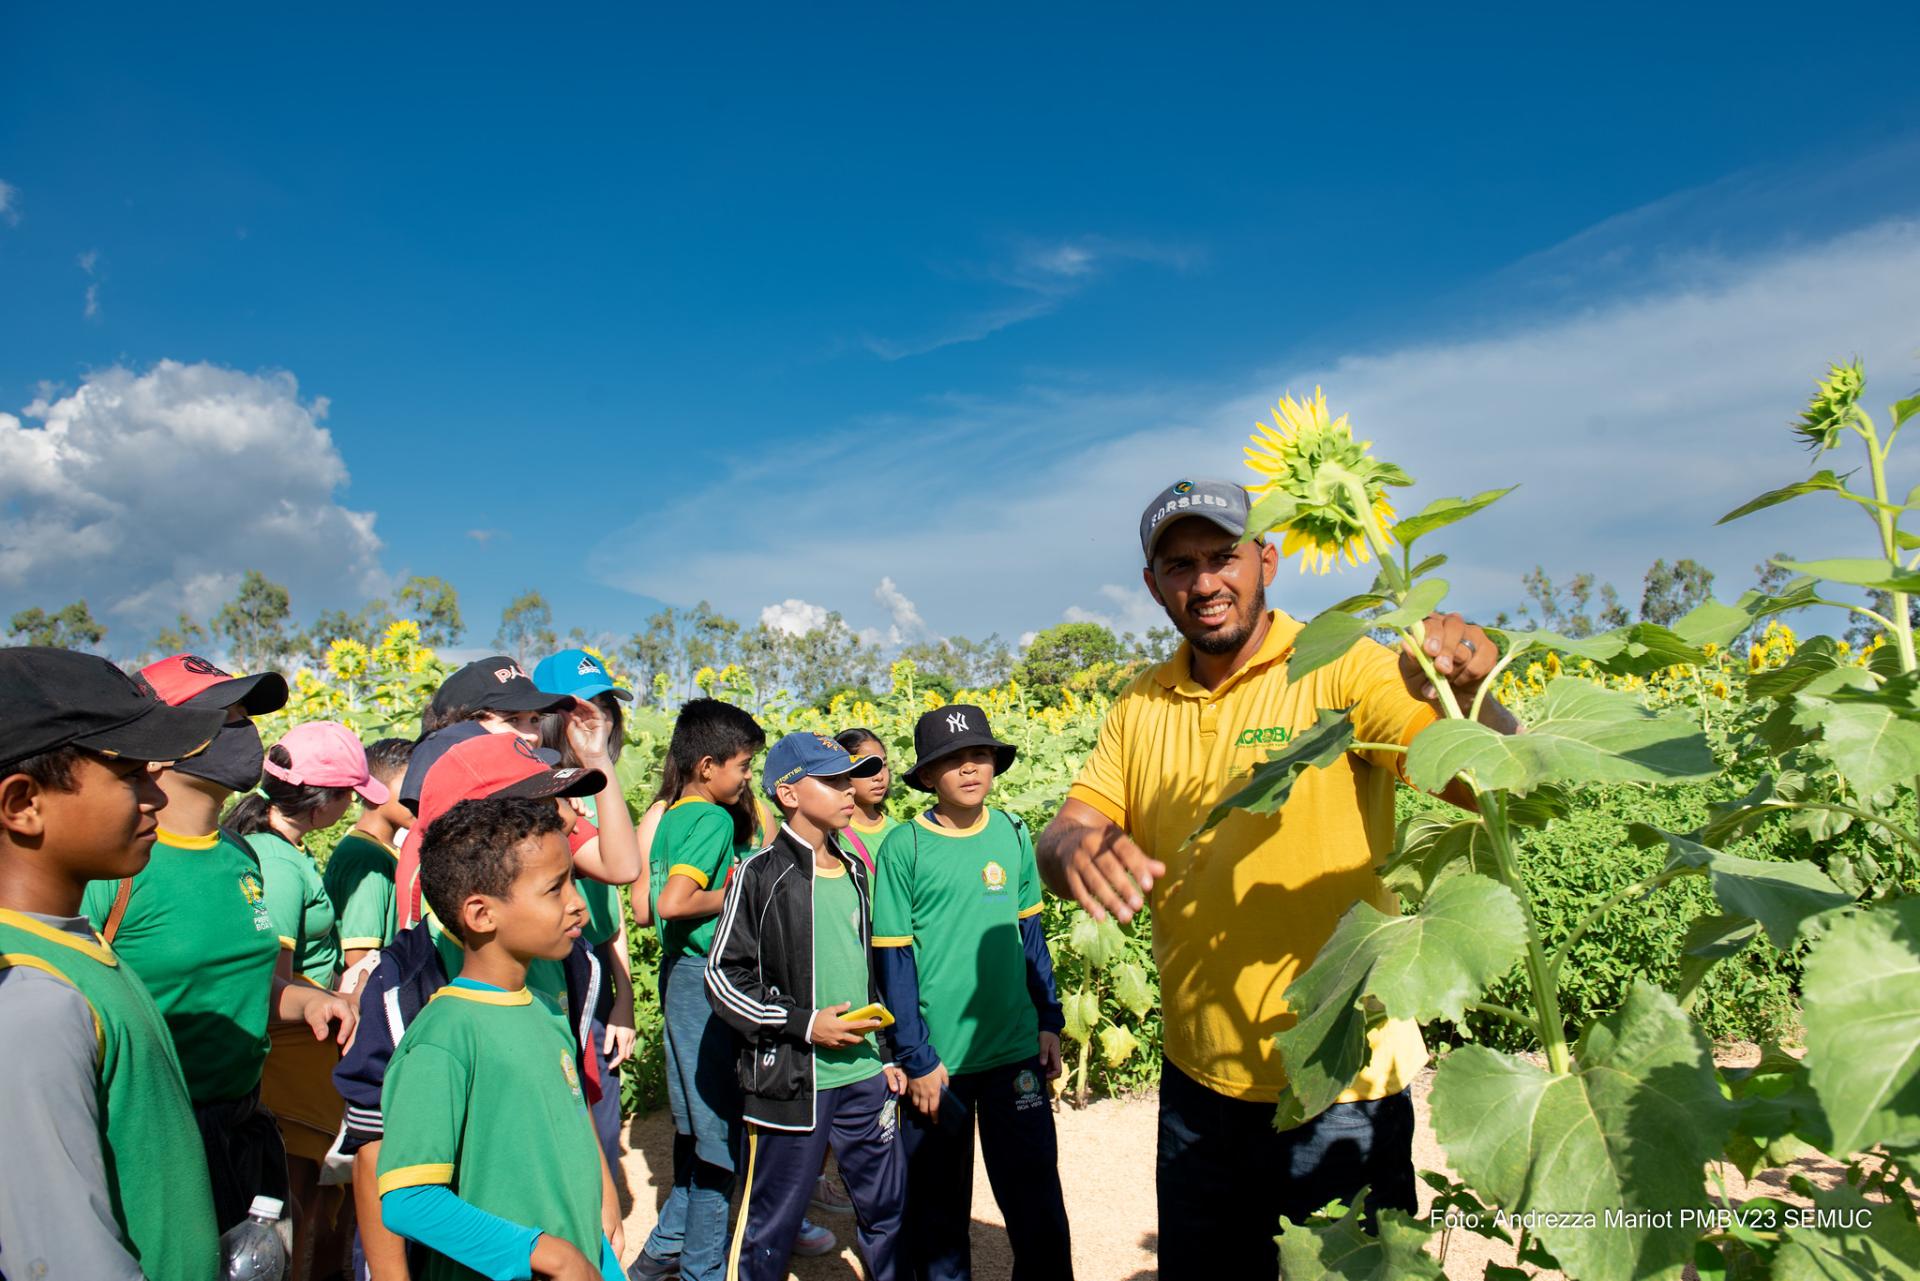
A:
1226,1175
860,1123
1015,1119
246,1156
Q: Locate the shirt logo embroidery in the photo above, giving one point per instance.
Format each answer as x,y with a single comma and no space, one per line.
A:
995,878
1258,737
956,722
250,891
567,1070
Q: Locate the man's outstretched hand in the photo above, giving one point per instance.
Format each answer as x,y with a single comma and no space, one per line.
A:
1085,857
1461,652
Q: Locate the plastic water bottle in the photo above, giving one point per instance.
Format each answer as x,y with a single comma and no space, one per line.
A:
252,1251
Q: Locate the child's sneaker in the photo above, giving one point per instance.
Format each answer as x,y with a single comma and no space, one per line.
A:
648,1268
829,1196
814,1240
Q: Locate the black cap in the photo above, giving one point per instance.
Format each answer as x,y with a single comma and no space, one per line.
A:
497,684
53,698
942,732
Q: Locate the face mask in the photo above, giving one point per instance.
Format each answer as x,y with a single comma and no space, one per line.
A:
232,760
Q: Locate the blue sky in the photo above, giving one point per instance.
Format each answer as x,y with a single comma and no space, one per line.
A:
906,313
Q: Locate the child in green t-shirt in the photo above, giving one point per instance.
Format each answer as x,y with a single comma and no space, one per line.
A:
489,1159
360,872
871,822
965,968
708,826
105,1174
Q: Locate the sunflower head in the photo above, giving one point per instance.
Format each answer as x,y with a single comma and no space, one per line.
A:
1831,410
1333,484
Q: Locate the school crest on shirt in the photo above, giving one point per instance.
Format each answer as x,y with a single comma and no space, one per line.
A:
1026,1090
567,1070
994,877
255,896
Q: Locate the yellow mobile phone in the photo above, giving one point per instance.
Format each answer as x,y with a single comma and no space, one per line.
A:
874,1011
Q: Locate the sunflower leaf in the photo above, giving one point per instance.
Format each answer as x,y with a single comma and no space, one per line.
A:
1862,1014
1858,571
1820,480
1346,1251
1326,637
1272,782
1442,512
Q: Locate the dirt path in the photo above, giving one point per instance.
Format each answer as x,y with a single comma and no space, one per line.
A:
1106,1155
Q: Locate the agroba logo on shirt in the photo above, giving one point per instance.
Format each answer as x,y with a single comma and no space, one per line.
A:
1262,737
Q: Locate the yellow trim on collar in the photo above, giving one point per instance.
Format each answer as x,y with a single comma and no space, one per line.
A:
691,800
689,871
831,873
977,828
862,828
415,1176
180,842
93,947
392,853
519,996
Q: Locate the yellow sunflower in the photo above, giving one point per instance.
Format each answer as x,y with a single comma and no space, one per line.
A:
1333,486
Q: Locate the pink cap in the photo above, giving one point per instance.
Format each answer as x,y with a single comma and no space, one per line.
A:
328,754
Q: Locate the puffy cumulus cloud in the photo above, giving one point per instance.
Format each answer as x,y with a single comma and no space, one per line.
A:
794,617
149,493
1122,610
906,624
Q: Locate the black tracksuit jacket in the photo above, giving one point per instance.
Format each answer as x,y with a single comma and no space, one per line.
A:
760,976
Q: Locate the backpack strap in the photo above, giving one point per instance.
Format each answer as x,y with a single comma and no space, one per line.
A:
118,911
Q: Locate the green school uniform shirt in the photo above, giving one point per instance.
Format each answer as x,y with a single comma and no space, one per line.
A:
873,837
957,899
197,932
297,902
840,973
694,840
547,977
156,1169
482,1097
604,908
360,883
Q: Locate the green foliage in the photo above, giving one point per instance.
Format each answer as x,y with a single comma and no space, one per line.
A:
254,623
1055,655
1863,1026
72,626
1345,1251
526,628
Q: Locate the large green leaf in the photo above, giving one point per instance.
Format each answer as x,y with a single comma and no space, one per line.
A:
1421,600
1431,848
1323,640
1131,989
1345,1251
1426,966
1781,895
1274,509
1820,480
1905,409
1862,1241
1871,736
1777,1116
1098,941
1816,655
1583,733
1082,1011
1272,781
1859,571
1631,1129
1442,512
1635,650
1861,999
1710,939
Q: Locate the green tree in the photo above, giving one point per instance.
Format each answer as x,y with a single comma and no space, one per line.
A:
254,623
958,662
183,637
435,605
1669,591
526,627
1568,609
652,651
72,626
1055,655
367,627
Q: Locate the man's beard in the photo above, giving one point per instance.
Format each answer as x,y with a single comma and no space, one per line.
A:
1226,640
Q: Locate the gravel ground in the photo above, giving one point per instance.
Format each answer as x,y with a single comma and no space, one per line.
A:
1106,1153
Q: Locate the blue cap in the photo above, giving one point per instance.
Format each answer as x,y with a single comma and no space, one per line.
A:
806,753
576,672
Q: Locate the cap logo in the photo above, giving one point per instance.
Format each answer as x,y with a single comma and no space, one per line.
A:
1183,487
957,722
587,667
525,748
200,666
507,673
564,775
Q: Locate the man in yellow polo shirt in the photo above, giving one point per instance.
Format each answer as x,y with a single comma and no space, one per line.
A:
1239,913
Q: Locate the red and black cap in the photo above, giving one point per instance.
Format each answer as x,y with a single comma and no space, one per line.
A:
188,680
497,684
497,765
54,698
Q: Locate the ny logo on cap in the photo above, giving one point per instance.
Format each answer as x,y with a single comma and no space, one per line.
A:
956,722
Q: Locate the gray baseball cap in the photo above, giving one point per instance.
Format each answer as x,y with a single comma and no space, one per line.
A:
1220,501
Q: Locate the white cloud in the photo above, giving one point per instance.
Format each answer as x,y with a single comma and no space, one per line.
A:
1126,609
89,261
149,493
795,617
9,204
906,624
1631,423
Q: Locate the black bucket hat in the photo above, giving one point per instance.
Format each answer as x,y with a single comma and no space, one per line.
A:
942,732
